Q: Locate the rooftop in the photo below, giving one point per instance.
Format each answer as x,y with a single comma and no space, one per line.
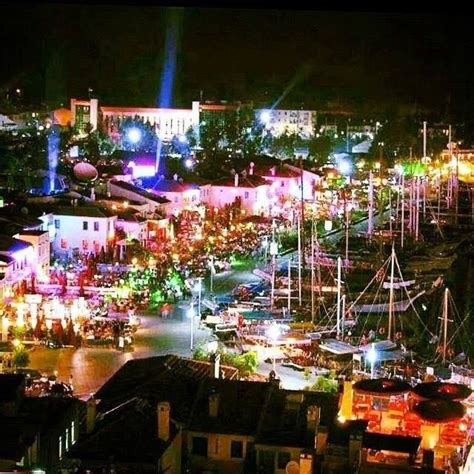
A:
140,191
248,181
9,244
126,434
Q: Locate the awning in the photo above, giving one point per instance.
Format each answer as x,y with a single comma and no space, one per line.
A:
338,347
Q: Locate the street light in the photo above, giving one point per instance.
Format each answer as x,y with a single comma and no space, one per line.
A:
372,357
191,316
273,334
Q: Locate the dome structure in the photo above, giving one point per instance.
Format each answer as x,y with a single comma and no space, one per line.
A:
85,172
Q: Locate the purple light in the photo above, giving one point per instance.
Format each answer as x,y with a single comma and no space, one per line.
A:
188,163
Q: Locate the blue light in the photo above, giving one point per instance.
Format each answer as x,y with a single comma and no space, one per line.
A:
344,167
265,117
134,135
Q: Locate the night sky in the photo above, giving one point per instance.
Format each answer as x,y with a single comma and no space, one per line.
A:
359,60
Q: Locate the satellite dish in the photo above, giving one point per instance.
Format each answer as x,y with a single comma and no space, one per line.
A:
292,468
85,172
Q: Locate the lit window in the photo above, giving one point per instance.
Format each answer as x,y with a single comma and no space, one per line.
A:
67,438
60,447
73,432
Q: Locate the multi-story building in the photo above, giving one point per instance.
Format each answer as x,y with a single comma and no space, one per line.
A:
15,263
167,122
37,432
250,192
41,254
202,419
83,229
278,121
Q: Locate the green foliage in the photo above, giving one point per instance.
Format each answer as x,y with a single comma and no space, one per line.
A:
246,363
324,384
18,332
320,148
20,357
307,373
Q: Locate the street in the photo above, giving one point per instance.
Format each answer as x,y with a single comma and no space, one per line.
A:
92,367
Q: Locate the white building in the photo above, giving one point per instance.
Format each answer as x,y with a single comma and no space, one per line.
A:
167,122
252,192
83,229
279,121
15,263
41,252
153,202
310,181
182,196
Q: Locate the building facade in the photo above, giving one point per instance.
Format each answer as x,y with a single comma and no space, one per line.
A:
278,121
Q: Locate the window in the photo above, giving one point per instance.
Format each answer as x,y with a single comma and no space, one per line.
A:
236,449
60,447
200,446
85,225
282,184
246,195
57,223
176,199
66,437
96,226
73,432
283,459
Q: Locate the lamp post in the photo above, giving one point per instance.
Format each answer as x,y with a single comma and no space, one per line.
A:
191,315
273,253
372,358
273,333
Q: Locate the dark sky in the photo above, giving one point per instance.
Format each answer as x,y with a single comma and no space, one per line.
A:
58,51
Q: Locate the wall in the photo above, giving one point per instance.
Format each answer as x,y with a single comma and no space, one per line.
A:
71,233
218,452
41,254
294,455
253,200
170,461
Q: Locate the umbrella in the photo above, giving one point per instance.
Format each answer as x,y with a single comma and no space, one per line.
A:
442,391
382,386
440,411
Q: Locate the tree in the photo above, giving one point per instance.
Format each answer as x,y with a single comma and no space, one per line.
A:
320,148
20,357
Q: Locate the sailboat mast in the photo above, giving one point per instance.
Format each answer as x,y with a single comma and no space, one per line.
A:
312,271
390,304
299,262
403,208
289,287
338,312
370,227
343,314
445,324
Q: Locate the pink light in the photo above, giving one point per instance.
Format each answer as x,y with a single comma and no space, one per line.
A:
143,171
